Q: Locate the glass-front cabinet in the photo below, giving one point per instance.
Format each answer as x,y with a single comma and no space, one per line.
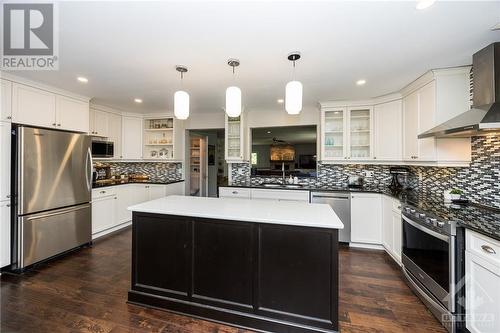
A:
333,134
235,138
360,133
346,133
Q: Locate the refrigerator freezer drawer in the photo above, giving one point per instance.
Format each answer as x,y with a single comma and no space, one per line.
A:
49,233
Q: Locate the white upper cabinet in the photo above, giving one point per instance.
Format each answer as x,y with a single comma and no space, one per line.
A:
434,98
388,133
115,133
132,137
72,114
37,107
235,135
360,134
99,123
31,106
346,133
6,97
333,134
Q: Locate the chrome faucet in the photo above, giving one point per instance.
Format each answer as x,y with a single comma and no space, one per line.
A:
283,179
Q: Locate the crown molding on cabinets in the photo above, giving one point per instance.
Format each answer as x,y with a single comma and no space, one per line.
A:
42,86
106,109
432,75
357,103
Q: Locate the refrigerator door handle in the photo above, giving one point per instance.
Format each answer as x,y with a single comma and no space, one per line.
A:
59,212
89,168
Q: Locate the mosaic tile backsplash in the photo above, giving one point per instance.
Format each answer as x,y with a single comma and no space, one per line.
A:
157,171
480,181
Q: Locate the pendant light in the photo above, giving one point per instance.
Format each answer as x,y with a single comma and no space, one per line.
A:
293,89
181,98
233,94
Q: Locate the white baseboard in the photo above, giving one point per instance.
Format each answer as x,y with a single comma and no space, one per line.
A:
367,246
110,230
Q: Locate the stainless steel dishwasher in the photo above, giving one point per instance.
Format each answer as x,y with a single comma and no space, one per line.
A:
341,205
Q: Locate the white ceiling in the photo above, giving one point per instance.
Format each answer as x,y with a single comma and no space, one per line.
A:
130,49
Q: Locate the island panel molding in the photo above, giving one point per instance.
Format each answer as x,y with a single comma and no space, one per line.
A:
234,273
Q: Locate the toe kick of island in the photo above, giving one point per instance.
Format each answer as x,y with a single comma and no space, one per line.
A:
261,276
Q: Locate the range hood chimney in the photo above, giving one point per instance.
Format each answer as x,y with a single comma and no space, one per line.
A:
484,116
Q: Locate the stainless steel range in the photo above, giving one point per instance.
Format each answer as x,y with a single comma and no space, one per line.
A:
431,265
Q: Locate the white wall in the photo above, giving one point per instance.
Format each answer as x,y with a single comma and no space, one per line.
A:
209,120
266,118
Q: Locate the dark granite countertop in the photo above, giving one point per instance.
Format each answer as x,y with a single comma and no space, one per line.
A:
485,220
128,181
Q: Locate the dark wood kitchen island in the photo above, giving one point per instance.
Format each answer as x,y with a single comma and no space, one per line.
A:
263,265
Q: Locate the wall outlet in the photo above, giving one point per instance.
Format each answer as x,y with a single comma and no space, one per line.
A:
368,174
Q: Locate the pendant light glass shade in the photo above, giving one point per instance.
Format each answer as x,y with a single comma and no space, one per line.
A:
233,101
293,97
181,105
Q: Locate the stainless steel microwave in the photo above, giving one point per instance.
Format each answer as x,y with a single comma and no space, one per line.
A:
102,149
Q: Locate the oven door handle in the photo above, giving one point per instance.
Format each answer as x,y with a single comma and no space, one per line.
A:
426,230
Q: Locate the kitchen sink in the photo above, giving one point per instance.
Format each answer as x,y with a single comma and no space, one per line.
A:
271,185
274,185
293,186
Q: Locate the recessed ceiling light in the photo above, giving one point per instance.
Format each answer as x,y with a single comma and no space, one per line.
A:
82,79
268,132
280,101
138,100
423,4
360,82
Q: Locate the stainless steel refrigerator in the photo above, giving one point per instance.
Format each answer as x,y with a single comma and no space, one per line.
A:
52,172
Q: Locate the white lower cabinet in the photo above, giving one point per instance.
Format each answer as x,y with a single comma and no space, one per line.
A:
103,212
232,192
280,195
366,218
482,281
109,204
155,191
391,227
4,233
5,159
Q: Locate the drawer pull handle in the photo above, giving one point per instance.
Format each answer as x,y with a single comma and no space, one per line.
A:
235,192
488,249
102,192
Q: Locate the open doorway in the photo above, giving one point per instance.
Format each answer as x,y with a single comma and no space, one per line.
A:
206,168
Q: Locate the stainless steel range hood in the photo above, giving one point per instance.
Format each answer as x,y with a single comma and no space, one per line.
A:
484,116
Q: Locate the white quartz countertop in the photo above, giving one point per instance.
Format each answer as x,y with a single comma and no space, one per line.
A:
261,211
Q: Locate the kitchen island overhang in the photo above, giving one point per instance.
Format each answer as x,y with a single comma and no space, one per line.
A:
263,265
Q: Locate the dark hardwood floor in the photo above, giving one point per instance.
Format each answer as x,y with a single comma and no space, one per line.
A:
86,292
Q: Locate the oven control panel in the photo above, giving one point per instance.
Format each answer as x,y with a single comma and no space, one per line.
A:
428,220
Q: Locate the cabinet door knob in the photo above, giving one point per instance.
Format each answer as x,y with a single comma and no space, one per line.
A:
58,124
374,157
9,117
235,192
102,192
488,249
53,124
8,196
